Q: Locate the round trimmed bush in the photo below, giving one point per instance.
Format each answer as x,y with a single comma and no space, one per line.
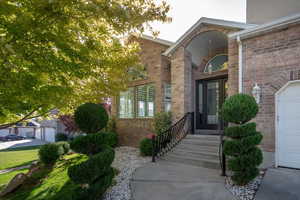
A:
146,147
50,153
90,117
65,146
61,137
241,148
110,138
239,109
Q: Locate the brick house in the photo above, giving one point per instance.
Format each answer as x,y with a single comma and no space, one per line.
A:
215,59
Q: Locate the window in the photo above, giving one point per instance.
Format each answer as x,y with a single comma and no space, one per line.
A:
217,63
145,100
126,104
167,97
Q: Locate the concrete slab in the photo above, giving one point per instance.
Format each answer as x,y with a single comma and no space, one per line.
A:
280,184
166,180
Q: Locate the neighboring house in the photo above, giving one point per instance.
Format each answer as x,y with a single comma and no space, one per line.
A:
215,59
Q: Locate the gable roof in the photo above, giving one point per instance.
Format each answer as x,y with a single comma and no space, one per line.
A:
276,24
157,40
204,20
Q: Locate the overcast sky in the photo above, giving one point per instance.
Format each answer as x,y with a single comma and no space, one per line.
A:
187,12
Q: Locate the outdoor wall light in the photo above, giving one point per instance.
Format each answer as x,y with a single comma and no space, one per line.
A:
256,92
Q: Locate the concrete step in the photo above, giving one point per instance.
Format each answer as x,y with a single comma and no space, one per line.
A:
200,142
195,153
197,148
195,156
199,162
203,137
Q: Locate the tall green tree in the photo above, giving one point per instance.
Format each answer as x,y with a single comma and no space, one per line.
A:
61,53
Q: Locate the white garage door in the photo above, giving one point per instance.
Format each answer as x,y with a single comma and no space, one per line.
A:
288,126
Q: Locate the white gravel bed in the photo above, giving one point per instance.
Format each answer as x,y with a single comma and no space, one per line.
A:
127,159
246,192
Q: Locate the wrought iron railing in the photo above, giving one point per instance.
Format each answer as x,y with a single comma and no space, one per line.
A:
167,140
222,157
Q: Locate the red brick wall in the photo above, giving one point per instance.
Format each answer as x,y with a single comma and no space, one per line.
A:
131,131
271,60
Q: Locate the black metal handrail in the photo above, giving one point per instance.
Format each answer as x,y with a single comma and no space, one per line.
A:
222,156
167,140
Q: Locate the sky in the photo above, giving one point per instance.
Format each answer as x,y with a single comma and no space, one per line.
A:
185,13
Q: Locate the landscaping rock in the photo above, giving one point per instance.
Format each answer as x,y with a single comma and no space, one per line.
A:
246,192
16,182
126,161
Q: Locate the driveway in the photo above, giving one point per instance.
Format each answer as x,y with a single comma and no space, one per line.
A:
165,180
21,143
280,184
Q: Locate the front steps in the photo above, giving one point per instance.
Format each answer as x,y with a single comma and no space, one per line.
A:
196,150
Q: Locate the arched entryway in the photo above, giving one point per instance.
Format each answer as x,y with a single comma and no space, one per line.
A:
209,62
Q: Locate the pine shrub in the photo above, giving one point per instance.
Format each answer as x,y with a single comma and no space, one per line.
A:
50,153
95,175
241,145
162,122
146,147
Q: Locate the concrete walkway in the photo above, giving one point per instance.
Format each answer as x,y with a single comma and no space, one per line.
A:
280,184
166,180
21,143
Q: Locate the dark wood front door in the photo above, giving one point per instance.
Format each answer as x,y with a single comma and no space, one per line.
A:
210,95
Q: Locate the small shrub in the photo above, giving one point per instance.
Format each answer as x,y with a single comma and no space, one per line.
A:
241,148
91,118
61,137
162,121
50,153
65,146
146,147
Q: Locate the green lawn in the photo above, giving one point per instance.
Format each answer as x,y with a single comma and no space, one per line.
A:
50,184
18,156
5,178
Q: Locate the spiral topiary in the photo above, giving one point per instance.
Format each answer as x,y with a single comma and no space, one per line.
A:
96,174
90,117
241,147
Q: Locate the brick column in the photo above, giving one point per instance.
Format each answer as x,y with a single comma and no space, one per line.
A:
233,67
181,80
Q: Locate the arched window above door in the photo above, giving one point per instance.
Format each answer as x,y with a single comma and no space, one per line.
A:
217,63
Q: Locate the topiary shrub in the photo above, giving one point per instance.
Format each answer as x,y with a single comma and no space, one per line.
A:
65,146
110,138
50,153
241,147
146,147
96,174
162,121
90,117
61,137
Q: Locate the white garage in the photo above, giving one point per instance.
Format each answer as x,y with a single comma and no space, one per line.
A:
288,125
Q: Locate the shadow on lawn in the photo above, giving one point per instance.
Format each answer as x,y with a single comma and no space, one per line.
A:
49,183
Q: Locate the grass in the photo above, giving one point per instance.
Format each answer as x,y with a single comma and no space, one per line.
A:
50,183
17,157
5,178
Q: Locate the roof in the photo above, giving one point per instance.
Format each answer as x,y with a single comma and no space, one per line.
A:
157,40
268,27
204,20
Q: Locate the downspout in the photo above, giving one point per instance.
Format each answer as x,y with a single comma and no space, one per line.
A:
238,39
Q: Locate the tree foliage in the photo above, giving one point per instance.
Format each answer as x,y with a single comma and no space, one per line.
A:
61,53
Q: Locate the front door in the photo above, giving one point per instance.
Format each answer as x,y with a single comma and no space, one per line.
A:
210,95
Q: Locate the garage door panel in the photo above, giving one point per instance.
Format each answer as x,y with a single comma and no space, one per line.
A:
288,108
